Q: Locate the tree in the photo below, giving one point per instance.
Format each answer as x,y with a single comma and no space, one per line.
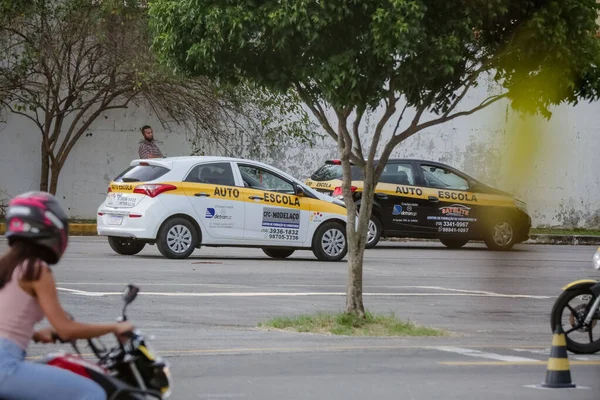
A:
348,58
65,63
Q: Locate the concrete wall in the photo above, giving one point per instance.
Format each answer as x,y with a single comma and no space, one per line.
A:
550,165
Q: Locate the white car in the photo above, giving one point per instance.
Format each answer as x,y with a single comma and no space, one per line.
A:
183,203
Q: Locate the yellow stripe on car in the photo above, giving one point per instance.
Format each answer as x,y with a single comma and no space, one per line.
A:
241,194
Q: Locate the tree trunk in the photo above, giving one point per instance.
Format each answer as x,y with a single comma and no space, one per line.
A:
54,178
357,239
45,169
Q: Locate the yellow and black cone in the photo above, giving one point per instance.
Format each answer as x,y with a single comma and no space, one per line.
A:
558,374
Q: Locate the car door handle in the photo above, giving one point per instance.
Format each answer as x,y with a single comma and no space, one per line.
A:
202,194
256,198
434,199
381,196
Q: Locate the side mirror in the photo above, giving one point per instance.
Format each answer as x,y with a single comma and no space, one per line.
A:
130,293
300,191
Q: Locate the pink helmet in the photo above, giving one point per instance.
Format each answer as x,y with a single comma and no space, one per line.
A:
37,217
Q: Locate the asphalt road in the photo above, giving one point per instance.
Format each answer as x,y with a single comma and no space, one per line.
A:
204,313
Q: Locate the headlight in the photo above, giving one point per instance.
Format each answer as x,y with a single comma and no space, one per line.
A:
597,259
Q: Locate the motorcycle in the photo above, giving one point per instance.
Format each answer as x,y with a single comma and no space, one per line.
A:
129,370
581,318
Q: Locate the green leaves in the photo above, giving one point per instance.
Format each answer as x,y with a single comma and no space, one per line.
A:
346,53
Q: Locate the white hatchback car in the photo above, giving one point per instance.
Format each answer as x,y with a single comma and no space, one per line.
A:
183,203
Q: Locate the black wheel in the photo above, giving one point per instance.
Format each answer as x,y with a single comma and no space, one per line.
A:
374,232
500,235
453,243
125,246
580,336
278,253
329,242
177,238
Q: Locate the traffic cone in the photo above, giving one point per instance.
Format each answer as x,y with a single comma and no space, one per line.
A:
558,374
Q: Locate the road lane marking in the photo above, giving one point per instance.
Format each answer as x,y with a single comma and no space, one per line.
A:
480,354
121,284
242,350
295,294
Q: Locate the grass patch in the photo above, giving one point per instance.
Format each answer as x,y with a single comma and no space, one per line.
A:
565,231
351,325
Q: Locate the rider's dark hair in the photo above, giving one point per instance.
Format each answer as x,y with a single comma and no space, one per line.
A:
24,252
145,127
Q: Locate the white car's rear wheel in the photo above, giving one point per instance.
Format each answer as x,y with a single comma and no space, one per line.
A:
177,238
125,246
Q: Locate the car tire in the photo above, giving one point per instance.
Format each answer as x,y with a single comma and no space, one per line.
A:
500,235
330,242
177,238
374,224
125,246
453,243
277,253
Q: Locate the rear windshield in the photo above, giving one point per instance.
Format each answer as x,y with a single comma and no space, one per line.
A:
141,173
330,171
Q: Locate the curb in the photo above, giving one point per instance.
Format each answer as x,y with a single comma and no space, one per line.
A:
572,240
76,229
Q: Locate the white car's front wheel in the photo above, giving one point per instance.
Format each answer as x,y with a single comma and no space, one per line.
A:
177,238
329,242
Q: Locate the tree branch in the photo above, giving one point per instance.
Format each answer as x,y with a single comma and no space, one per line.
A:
390,109
317,110
360,112
490,100
400,119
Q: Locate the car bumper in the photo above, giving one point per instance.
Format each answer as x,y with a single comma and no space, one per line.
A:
524,228
137,223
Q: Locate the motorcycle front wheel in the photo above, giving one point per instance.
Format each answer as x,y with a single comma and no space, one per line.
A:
570,310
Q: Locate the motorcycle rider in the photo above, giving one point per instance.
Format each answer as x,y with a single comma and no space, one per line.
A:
37,231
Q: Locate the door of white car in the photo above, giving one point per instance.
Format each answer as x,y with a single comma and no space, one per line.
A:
274,214
210,187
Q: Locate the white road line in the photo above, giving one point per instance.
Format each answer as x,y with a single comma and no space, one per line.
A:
545,352
491,356
291,294
122,284
480,293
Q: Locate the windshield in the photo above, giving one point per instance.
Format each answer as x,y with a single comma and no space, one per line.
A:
141,173
329,172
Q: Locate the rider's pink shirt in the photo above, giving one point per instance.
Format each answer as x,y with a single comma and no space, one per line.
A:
19,311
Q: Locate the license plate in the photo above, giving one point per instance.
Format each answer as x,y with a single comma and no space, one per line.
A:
115,220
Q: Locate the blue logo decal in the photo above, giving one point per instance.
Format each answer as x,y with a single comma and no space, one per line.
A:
397,209
210,212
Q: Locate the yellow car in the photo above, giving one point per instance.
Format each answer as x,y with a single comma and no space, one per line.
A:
426,199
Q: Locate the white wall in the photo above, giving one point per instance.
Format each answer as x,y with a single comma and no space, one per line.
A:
551,165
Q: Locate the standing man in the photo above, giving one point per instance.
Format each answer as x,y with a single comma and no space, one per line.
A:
148,147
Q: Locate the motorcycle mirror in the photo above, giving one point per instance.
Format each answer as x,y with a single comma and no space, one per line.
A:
130,294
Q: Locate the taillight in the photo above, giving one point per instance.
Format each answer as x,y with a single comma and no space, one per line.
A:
153,190
109,189
337,192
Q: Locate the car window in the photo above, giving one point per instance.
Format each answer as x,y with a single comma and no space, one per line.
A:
398,174
141,173
258,178
441,178
329,172
215,173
